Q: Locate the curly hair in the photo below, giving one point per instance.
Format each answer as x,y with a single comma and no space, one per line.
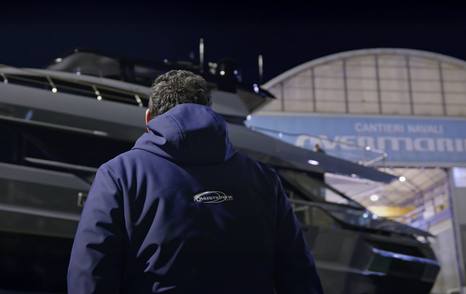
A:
177,87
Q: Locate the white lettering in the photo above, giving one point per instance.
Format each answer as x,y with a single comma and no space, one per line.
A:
395,143
348,143
424,144
328,143
459,145
379,128
386,143
425,129
359,127
306,141
445,144
366,141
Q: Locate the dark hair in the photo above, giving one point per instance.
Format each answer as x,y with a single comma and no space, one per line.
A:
177,87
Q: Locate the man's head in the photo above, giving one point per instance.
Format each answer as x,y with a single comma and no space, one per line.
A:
176,87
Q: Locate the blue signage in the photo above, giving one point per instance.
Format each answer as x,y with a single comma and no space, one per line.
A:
385,140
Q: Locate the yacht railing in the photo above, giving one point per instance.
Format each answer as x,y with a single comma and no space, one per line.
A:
56,85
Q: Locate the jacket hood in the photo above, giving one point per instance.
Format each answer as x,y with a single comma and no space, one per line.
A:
188,133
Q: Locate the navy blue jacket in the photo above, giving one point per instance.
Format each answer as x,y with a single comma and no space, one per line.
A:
182,212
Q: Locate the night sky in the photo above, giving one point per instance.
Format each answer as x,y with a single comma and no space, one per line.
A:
286,33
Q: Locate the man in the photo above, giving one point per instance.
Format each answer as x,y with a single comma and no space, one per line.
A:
183,212
317,148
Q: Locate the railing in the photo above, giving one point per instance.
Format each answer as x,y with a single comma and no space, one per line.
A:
71,86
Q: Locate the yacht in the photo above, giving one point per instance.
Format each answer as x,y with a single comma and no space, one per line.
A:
59,124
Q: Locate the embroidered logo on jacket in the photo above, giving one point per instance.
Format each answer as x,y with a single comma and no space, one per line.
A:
212,197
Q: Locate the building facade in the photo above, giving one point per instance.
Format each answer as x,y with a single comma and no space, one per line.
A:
400,110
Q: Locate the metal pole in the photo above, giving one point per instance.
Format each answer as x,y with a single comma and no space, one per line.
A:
201,55
442,88
456,230
313,89
345,86
410,83
260,63
377,80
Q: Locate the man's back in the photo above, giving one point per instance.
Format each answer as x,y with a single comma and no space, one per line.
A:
183,212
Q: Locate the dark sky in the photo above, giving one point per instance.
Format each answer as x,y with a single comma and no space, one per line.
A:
286,33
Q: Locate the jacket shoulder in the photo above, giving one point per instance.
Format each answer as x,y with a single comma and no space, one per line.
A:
131,160
267,172
131,156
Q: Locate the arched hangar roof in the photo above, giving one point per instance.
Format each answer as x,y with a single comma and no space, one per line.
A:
374,81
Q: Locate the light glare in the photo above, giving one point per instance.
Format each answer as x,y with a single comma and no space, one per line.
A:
313,162
374,197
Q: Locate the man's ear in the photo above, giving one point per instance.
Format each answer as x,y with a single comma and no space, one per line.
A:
148,116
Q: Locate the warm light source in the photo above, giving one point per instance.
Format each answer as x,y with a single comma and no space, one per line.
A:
391,211
402,179
374,197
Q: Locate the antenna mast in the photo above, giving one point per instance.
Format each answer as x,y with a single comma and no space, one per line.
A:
201,55
260,63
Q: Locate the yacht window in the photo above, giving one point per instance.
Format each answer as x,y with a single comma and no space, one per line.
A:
72,148
115,96
29,81
315,189
74,88
309,215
